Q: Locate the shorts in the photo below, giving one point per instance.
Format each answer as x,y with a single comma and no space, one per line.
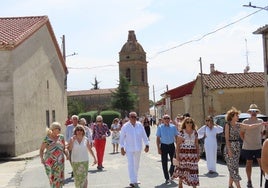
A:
251,154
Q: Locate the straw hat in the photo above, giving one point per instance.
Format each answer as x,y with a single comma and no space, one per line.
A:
253,108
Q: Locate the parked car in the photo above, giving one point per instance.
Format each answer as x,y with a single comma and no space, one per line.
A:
220,120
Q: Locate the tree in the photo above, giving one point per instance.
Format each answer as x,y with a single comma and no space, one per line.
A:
95,84
123,99
75,107
151,103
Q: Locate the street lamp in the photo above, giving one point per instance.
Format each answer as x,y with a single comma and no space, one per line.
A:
71,54
264,32
253,6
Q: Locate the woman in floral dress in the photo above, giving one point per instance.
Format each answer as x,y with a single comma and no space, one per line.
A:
53,158
187,155
115,128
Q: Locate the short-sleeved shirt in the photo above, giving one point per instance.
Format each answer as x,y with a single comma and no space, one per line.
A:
167,133
69,132
252,138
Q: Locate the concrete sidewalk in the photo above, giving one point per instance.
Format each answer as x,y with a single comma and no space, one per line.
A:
26,156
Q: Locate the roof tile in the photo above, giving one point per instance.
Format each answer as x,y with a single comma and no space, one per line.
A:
181,91
235,80
220,81
14,30
90,92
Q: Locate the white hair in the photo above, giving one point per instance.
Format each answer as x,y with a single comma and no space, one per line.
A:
75,116
84,120
99,118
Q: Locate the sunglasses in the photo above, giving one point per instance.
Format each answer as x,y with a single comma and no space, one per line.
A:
166,118
189,122
254,111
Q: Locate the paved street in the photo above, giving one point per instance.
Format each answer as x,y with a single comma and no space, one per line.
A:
31,174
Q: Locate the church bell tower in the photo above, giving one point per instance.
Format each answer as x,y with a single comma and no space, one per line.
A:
133,65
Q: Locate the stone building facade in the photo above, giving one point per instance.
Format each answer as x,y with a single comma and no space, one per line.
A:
93,99
32,83
221,92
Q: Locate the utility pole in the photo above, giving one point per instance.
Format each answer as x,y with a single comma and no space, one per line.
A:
202,92
63,48
168,105
154,102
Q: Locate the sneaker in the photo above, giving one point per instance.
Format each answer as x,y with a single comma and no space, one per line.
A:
99,167
167,182
132,185
72,174
249,185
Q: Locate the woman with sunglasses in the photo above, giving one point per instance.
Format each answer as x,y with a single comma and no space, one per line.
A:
233,148
80,145
100,131
53,158
187,155
209,132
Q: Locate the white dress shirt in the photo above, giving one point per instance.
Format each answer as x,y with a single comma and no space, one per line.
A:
131,137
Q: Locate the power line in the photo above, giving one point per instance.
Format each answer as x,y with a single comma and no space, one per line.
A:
207,34
101,66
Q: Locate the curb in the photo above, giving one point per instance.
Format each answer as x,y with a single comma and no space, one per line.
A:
17,158
23,157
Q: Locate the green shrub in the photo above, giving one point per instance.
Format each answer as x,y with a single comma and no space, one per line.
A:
89,116
109,115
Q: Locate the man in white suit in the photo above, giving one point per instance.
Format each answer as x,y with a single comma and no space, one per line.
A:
131,136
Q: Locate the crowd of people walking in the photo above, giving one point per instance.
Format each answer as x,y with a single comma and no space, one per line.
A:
177,142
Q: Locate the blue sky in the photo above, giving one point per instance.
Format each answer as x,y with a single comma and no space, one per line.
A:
97,30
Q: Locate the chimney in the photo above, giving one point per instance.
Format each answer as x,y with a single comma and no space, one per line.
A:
212,68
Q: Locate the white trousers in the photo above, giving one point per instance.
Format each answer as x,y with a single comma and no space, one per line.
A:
133,159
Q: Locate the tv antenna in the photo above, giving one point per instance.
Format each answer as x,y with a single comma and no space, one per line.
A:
247,67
